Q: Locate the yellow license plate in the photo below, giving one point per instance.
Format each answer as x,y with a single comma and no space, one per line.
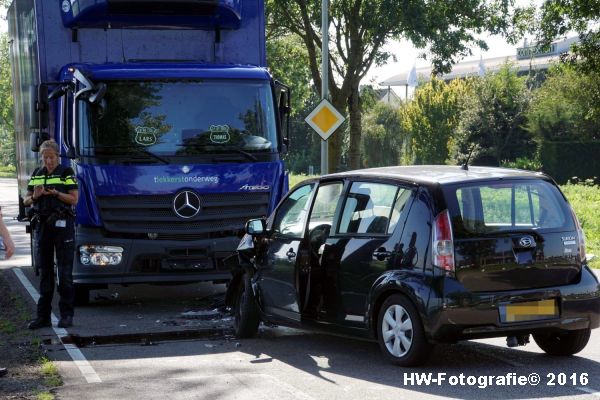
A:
529,311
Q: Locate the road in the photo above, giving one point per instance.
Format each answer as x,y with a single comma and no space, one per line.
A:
174,343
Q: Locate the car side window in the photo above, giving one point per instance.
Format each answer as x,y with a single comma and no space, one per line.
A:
369,207
291,215
402,200
322,214
326,201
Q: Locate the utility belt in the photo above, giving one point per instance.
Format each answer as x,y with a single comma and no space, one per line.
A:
49,217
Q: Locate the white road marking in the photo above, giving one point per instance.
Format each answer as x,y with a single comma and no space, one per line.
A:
77,356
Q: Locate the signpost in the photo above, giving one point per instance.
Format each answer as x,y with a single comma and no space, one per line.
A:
324,119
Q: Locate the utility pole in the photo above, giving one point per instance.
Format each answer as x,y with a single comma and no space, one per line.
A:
324,76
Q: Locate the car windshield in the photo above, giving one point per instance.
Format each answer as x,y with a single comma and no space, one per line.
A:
507,206
180,118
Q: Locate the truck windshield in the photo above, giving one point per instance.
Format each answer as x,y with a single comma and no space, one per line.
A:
180,118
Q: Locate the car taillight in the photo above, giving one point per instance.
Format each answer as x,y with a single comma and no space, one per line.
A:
442,243
580,236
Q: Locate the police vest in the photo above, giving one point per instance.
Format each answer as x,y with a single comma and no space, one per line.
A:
61,179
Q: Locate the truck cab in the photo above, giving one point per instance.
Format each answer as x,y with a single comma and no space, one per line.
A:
169,117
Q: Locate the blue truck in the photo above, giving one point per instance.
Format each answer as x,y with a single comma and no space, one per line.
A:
171,120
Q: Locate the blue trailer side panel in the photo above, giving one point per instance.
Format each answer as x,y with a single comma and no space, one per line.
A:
57,46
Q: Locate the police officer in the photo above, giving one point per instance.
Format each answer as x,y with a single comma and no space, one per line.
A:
52,193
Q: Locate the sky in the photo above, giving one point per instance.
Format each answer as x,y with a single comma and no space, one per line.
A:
407,56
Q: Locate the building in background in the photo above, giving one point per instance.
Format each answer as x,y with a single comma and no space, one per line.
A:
526,58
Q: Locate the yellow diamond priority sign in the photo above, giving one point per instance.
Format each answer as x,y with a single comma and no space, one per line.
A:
324,119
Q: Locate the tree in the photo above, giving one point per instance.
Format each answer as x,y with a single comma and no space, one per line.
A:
382,136
430,120
566,106
358,31
288,61
491,126
559,17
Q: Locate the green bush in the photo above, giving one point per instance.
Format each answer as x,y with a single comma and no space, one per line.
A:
564,160
429,121
490,127
523,163
8,171
585,199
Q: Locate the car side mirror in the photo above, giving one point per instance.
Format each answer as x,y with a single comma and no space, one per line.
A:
256,227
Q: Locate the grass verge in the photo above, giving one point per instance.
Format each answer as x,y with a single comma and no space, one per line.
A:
585,200
30,374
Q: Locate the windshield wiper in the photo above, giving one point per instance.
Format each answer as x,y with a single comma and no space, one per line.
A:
223,155
249,156
131,147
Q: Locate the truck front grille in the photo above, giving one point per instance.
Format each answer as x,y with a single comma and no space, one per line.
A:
220,214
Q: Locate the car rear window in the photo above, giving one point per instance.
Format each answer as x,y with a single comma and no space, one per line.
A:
488,207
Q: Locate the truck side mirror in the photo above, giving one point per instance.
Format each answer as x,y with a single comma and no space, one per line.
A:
38,107
284,110
98,95
36,138
59,91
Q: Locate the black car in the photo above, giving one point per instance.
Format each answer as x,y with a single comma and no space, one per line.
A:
412,256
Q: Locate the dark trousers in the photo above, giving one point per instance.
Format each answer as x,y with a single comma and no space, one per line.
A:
50,239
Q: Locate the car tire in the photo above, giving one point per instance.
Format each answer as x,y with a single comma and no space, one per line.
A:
246,316
563,343
406,345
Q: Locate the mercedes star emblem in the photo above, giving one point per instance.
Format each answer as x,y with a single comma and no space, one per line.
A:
186,204
527,241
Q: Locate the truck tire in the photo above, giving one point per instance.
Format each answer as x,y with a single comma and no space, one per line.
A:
565,343
400,333
246,316
82,295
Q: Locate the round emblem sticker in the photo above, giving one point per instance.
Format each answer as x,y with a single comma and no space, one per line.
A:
145,135
66,6
219,134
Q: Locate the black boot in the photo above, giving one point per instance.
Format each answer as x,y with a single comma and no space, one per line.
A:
65,322
39,322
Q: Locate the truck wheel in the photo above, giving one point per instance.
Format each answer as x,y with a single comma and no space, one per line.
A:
246,314
400,333
563,343
82,295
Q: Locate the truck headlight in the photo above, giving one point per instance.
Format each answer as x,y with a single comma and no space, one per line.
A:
100,255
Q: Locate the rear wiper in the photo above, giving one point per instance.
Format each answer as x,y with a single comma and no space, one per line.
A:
131,147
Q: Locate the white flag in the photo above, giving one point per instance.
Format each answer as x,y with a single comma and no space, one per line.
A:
411,80
481,66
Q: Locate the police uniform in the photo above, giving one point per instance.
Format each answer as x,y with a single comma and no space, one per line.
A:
54,230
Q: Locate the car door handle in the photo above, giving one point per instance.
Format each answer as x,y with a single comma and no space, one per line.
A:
381,254
290,253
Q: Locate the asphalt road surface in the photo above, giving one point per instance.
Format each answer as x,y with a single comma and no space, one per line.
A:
165,342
